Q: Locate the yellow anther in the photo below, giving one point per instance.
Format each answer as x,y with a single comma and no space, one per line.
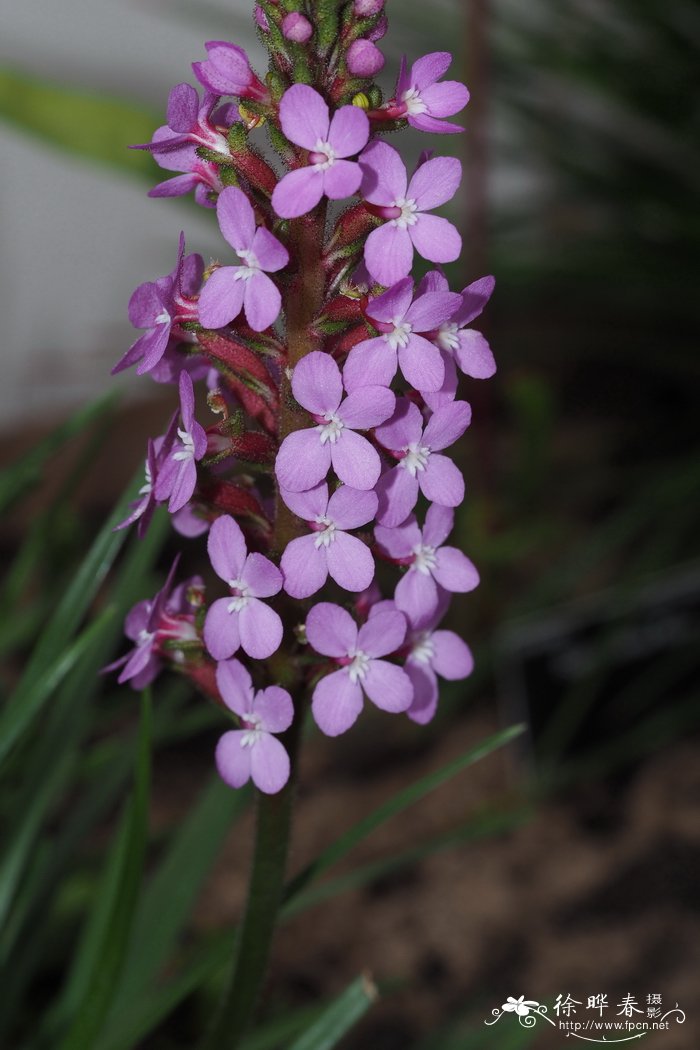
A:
360,100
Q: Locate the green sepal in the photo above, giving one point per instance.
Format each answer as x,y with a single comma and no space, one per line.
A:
228,175
238,136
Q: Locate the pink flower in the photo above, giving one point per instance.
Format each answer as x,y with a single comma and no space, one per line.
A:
467,347
364,59
306,456
420,466
423,100
227,72
296,27
401,320
177,476
337,699
308,560
231,288
430,564
252,752
404,206
241,620
305,121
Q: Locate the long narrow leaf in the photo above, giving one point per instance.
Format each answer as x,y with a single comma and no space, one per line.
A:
99,963
338,1018
397,804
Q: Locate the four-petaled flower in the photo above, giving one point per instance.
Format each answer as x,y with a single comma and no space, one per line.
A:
423,101
305,121
420,466
430,564
404,205
337,699
402,322
308,560
467,347
162,306
241,620
520,1006
306,456
252,752
231,287
177,476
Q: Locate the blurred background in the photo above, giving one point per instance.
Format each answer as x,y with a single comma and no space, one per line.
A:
569,862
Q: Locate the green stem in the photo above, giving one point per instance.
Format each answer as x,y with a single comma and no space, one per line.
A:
254,935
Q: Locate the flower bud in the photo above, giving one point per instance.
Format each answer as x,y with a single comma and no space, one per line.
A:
364,59
367,8
379,30
297,28
261,19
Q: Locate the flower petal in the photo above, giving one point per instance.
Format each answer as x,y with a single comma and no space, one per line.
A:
403,429
447,425
397,491
452,658
421,364
331,630
236,218
349,131
336,703
307,505
399,542
416,595
394,303
425,692
431,310
474,298
261,629
355,461
227,548
304,567
384,177
183,107
350,562
317,383
389,252
442,482
439,522
269,764
474,356
351,508
262,577
429,68
445,99
262,302
435,239
342,180
221,297
388,686
367,408
298,192
304,116
302,460
370,363
383,634
232,759
454,571
275,708
221,635
435,182
270,253
235,686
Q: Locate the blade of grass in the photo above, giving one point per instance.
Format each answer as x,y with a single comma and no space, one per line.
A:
401,801
102,952
338,1018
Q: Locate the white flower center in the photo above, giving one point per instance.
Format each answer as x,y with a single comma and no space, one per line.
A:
325,537
423,649
331,430
145,638
323,155
448,336
408,215
251,267
414,103
187,450
399,336
147,486
415,459
253,730
359,666
163,317
241,595
425,558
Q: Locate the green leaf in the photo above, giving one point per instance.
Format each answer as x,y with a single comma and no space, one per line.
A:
410,795
90,125
338,1018
102,952
170,894
25,473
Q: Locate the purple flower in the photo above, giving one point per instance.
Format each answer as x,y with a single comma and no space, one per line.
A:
337,699
169,616
241,620
364,58
161,307
231,287
227,72
308,560
190,122
306,121
425,102
202,176
296,27
431,653
157,454
177,477
401,320
385,186
420,467
429,563
251,752
306,456
468,347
